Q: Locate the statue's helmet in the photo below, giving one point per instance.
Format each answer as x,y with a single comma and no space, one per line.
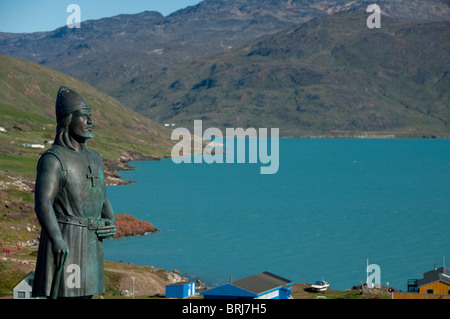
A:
68,101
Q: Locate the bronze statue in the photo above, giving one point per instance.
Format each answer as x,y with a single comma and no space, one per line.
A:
72,207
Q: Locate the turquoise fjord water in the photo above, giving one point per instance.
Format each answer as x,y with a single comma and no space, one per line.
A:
333,204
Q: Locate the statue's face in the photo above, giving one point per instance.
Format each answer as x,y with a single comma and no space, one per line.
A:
81,125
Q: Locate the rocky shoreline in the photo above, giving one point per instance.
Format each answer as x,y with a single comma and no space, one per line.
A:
127,225
112,177
20,210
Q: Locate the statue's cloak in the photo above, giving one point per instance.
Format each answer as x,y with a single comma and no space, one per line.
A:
78,208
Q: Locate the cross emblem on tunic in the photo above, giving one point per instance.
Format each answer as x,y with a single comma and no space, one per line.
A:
91,176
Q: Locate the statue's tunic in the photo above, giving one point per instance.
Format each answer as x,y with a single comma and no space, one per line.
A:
78,207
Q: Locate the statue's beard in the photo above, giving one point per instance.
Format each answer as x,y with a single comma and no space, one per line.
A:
63,135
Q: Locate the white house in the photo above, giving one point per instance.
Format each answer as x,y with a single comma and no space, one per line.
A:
23,289
33,145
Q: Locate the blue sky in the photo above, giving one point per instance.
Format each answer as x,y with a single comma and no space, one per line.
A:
47,15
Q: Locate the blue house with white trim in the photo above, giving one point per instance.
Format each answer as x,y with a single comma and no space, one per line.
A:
260,286
180,290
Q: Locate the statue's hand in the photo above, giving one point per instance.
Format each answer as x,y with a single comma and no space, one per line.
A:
107,231
60,251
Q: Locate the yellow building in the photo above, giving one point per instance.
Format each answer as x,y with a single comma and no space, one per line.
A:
435,284
436,281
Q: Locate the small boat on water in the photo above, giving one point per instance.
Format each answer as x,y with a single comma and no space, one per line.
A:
320,286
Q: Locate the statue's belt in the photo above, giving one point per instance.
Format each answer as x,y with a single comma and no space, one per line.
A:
90,223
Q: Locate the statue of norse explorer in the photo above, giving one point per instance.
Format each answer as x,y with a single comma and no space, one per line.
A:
72,207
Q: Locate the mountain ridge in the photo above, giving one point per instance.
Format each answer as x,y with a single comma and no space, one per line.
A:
304,76
111,51
122,55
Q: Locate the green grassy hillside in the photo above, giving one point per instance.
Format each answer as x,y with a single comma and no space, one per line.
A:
27,98
27,112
